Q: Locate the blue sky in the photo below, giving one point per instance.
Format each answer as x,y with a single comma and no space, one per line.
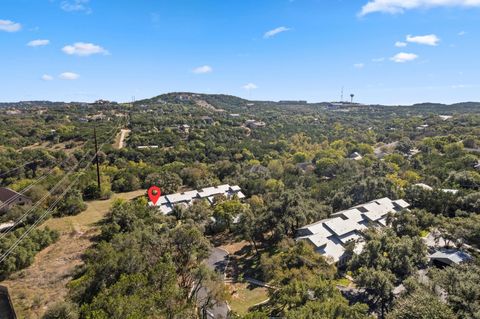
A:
383,51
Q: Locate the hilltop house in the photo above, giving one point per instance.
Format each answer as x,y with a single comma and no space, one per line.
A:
166,203
10,198
330,236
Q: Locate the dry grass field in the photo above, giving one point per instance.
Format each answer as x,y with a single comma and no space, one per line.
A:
42,284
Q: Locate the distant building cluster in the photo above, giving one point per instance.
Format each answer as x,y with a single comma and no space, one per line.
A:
166,203
330,236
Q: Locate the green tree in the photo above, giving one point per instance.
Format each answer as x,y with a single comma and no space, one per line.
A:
420,304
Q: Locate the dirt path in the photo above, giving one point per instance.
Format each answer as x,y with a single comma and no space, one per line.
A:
120,139
42,284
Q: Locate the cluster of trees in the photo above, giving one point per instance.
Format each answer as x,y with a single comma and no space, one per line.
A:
304,286
294,171
22,256
391,270
145,265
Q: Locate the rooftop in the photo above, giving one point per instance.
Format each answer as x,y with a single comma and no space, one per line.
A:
167,202
450,256
330,235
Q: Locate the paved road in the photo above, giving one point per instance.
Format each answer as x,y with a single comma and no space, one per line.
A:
218,261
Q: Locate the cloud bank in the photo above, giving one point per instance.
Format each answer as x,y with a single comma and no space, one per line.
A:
38,43
9,26
400,6
84,49
203,69
274,32
69,76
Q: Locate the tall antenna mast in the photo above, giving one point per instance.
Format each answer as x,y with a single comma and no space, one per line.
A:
341,96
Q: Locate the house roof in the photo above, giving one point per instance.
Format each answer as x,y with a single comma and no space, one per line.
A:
7,194
351,214
349,236
167,202
340,226
333,249
318,228
181,197
216,190
329,236
450,256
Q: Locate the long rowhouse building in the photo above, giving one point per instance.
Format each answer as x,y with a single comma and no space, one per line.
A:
330,236
167,202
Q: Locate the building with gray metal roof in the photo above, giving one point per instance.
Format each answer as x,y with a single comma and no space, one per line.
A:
330,236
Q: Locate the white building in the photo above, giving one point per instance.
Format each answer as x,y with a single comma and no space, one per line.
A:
166,203
330,236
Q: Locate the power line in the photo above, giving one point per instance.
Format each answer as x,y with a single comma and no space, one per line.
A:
16,168
19,240
27,188
49,193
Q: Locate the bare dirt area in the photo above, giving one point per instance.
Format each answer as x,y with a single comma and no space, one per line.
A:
120,139
44,283
207,105
56,147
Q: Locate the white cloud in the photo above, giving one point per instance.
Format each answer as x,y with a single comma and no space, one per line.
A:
377,60
429,39
38,43
403,57
275,31
359,65
400,44
47,77
76,5
84,49
69,76
250,86
9,26
203,69
462,33
461,86
399,6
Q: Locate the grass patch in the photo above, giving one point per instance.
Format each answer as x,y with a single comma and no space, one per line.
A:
344,282
244,296
424,233
95,211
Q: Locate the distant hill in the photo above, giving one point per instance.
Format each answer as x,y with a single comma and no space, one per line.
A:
216,101
233,103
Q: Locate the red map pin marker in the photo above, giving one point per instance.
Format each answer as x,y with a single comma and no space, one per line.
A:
154,193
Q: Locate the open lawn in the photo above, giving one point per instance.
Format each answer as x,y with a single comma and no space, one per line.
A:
245,295
42,284
95,211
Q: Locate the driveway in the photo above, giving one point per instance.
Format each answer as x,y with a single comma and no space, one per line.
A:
218,261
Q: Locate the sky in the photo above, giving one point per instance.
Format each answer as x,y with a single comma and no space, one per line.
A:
382,51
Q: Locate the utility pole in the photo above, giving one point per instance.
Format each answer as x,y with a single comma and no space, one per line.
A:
96,158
